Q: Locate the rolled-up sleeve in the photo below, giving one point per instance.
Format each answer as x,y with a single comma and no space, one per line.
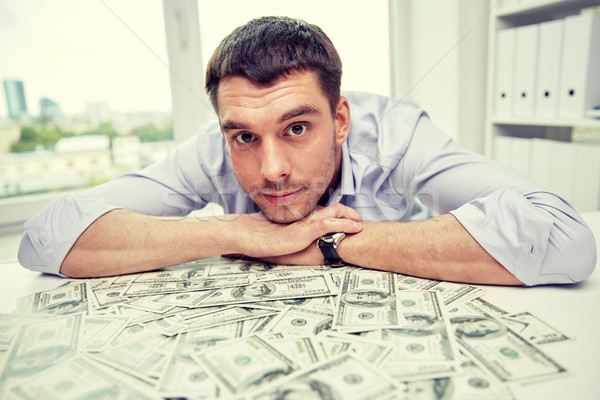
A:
532,232
162,189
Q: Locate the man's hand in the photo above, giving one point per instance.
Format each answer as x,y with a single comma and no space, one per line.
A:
293,243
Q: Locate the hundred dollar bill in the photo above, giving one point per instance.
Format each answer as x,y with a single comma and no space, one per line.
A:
245,364
153,288
424,345
473,383
69,298
78,379
301,350
343,377
367,300
39,346
10,324
183,376
450,293
507,355
137,358
299,322
189,274
137,332
99,331
476,383
261,270
277,289
333,343
488,307
110,295
532,328
217,317
147,303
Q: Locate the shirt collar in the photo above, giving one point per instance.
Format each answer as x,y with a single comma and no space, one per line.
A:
346,186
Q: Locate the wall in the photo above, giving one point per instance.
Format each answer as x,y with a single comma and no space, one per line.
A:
440,62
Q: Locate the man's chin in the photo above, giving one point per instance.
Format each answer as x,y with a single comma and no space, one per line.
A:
283,214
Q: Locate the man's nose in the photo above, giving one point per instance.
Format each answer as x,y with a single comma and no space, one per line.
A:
275,165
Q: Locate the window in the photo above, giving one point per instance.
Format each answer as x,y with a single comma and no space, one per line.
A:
77,74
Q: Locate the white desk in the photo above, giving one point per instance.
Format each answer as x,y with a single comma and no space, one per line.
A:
569,308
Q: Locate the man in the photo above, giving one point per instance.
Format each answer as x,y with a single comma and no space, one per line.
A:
295,164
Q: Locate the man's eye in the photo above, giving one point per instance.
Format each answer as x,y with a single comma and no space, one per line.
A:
245,137
296,130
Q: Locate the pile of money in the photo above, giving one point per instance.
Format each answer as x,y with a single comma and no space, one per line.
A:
220,328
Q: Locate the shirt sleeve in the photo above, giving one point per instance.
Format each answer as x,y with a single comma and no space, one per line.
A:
532,232
162,189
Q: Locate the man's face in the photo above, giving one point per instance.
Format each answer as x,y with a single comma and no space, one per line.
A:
284,142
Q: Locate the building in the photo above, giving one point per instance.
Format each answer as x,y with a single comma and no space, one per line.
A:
15,98
76,162
51,111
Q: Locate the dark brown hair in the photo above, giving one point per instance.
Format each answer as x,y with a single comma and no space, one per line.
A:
268,48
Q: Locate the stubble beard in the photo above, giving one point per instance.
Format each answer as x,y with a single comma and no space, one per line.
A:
306,203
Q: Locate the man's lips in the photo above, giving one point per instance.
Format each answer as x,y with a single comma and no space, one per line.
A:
282,198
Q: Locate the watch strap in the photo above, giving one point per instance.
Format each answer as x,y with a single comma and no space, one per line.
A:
328,246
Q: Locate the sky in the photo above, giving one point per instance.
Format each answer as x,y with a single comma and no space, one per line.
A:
77,52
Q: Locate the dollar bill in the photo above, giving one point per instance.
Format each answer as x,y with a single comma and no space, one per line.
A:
78,379
70,298
333,343
246,364
367,300
450,293
532,328
424,345
99,331
10,324
183,376
138,358
299,322
218,317
260,270
153,288
301,350
277,289
110,295
39,346
342,377
507,355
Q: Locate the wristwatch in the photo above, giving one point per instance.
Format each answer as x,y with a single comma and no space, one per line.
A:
328,245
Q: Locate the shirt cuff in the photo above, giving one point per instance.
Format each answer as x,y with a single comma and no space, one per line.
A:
50,235
511,229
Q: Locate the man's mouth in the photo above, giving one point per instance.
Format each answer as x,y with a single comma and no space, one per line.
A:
282,198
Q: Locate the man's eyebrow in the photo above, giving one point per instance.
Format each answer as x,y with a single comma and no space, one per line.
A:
230,125
298,111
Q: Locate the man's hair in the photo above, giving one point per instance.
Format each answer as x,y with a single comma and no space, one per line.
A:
268,48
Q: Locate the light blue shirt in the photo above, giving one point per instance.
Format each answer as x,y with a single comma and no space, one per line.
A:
393,155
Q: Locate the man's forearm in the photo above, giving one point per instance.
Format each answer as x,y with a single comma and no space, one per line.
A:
437,248
122,241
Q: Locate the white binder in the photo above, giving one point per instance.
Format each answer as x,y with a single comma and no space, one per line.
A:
548,76
579,78
525,70
504,70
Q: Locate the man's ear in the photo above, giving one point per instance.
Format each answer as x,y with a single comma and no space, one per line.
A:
342,121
